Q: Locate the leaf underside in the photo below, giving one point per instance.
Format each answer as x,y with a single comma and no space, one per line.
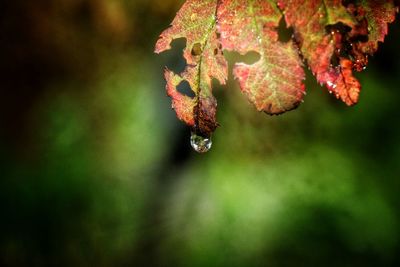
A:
332,37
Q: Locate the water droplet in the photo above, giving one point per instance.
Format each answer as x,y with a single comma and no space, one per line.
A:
199,143
331,85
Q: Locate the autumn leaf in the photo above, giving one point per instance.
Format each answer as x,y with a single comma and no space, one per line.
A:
275,83
332,37
310,21
196,21
325,30
373,18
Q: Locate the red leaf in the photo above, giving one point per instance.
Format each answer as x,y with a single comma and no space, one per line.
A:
196,21
333,37
378,14
310,20
275,83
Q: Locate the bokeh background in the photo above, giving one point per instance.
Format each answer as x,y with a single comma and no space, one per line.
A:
95,169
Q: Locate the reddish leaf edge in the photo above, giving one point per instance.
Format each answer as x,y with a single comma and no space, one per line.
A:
350,55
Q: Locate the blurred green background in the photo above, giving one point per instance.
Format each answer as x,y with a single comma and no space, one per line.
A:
95,169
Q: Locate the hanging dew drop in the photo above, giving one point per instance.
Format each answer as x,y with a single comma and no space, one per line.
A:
199,143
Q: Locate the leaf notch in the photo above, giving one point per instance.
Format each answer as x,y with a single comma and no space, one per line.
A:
196,21
333,37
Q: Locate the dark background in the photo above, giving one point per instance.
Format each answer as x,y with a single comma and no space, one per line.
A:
95,170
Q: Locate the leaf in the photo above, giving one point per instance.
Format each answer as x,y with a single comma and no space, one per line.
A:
377,15
275,83
310,21
196,21
333,37
322,30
